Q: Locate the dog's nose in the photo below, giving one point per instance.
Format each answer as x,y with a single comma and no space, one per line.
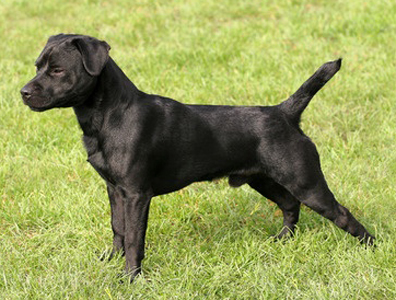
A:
26,93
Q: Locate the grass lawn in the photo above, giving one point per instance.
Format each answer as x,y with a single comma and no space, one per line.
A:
207,241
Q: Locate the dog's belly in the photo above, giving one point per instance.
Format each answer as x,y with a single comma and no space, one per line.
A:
208,164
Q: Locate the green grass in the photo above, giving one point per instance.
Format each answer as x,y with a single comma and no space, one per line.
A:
207,241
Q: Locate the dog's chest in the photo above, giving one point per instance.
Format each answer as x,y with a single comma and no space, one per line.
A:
98,159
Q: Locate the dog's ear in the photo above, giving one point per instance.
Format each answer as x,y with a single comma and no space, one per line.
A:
94,53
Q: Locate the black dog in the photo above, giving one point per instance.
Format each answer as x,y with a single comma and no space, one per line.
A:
147,145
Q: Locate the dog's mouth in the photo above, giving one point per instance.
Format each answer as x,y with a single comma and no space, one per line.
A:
38,109
40,103
37,103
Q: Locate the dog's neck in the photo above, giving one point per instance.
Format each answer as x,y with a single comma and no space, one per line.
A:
112,89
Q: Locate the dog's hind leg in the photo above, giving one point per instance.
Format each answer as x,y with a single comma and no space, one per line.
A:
301,175
289,205
322,200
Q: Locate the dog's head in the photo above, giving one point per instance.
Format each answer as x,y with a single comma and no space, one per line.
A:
67,70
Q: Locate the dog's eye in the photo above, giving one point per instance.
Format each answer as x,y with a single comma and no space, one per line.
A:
57,71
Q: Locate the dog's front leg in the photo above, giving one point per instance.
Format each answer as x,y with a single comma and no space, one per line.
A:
136,209
117,219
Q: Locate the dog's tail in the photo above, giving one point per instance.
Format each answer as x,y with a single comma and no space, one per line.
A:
295,105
